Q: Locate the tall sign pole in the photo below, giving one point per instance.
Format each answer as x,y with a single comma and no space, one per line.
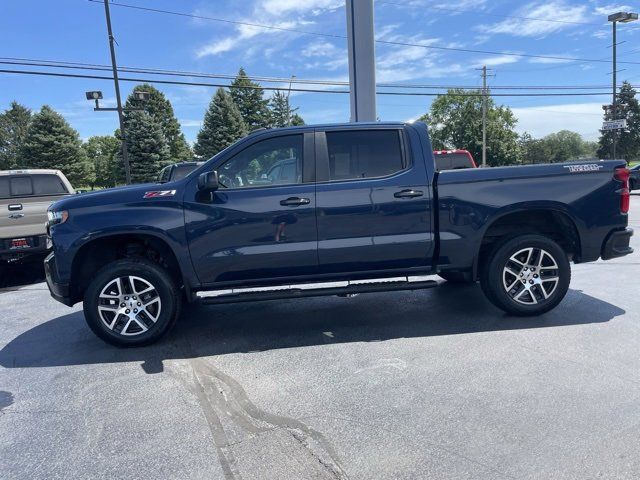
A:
125,154
362,61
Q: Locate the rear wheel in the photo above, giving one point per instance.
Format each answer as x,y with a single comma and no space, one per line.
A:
526,275
131,302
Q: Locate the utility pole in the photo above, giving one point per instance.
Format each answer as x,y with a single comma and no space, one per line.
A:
485,95
614,108
125,154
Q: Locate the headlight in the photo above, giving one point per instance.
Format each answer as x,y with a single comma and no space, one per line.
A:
57,217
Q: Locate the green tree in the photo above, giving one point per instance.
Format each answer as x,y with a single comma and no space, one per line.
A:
102,152
14,123
566,145
159,107
628,145
247,96
50,142
455,121
222,126
282,115
147,147
556,147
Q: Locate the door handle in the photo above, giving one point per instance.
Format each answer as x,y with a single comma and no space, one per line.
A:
294,202
408,194
15,206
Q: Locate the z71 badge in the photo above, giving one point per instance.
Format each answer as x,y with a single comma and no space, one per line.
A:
160,193
587,167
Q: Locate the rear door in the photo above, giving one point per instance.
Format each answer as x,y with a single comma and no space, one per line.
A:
24,199
373,201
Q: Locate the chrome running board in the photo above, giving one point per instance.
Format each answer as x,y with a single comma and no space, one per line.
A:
345,287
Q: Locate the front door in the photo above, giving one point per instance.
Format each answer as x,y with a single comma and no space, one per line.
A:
260,224
373,202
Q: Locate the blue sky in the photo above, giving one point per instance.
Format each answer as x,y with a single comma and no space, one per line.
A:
74,31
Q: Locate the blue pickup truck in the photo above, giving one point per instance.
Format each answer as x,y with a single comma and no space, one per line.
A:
330,210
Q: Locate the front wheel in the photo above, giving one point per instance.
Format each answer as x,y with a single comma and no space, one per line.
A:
526,275
131,302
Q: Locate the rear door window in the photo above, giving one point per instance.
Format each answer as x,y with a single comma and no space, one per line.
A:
48,185
358,154
21,186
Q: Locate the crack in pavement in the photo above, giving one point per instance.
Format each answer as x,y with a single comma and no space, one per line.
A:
225,404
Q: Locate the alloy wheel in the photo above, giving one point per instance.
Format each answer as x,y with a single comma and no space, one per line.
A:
129,305
530,276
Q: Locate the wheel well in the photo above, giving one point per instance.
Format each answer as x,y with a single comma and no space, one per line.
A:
550,223
96,254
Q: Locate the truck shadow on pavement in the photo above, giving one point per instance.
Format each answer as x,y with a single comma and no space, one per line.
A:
249,327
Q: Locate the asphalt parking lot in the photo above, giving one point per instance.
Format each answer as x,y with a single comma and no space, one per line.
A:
404,385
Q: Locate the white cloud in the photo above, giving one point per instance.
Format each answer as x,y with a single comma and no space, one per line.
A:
187,123
217,47
535,28
584,118
287,7
552,60
497,60
606,10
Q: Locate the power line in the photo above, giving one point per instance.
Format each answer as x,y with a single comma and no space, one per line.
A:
476,12
307,90
154,71
383,42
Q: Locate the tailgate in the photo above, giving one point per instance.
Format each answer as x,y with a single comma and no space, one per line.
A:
24,217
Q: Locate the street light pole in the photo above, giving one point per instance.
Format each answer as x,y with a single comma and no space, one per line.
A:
125,154
622,17
288,105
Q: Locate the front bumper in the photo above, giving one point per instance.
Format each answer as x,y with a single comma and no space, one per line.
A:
617,244
58,290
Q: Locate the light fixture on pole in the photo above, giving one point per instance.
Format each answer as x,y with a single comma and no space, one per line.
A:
615,18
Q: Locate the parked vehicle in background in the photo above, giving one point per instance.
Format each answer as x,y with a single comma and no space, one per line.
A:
25,196
361,210
453,159
177,171
634,178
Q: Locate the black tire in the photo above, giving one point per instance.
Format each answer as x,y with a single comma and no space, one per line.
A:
456,277
525,298
164,303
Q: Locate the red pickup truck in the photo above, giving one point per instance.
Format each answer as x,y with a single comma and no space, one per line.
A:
453,159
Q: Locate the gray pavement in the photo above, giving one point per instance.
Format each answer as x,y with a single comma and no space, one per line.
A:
429,384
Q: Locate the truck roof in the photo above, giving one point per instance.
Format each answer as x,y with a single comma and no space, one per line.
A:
30,171
331,125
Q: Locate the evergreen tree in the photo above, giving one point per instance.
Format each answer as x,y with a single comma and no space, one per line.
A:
222,126
159,107
628,144
50,142
14,123
147,147
297,120
455,121
282,115
102,152
247,96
